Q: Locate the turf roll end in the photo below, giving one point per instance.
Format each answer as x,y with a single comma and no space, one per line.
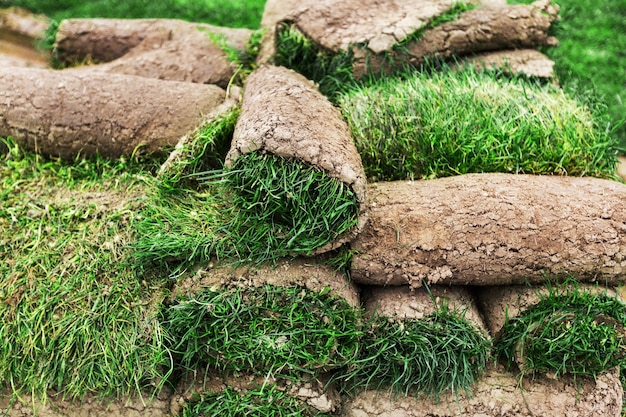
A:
284,321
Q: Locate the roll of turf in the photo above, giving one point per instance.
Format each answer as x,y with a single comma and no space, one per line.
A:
428,341
492,229
286,319
567,329
295,172
206,393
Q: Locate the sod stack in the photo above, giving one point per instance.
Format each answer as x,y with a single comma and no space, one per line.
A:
164,49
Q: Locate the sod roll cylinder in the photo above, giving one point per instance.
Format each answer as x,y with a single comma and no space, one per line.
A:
492,229
64,114
295,317
556,330
165,49
408,33
500,394
425,340
285,121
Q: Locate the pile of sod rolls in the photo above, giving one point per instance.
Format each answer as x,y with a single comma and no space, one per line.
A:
302,290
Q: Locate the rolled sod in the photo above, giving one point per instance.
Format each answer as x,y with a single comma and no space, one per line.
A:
295,317
293,164
419,341
569,329
166,49
206,393
500,394
492,229
67,114
327,40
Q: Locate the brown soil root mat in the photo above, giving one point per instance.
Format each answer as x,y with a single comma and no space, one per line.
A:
292,317
576,329
204,392
149,405
283,115
488,229
427,340
154,48
408,33
529,62
65,114
499,394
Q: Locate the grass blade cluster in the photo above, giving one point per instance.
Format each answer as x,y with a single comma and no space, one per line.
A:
567,332
205,150
442,352
269,329
331,71
284,207
456,122
77,317
266,401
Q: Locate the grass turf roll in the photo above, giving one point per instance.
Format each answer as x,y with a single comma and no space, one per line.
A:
567,329
336,44
500,394
429,125
295,172
282,320
492,229
424,341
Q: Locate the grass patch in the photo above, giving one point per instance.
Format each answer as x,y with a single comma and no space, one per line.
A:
429,125
591,56
77,317
569,331
442,352
204,151
282,331
266,401
331,71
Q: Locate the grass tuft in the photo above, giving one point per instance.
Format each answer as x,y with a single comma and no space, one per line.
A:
286,207
442,352
266,401
205,150
568,332
267,330
429,125
331,71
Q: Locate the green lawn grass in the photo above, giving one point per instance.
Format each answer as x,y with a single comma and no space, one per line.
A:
591,57
234,13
